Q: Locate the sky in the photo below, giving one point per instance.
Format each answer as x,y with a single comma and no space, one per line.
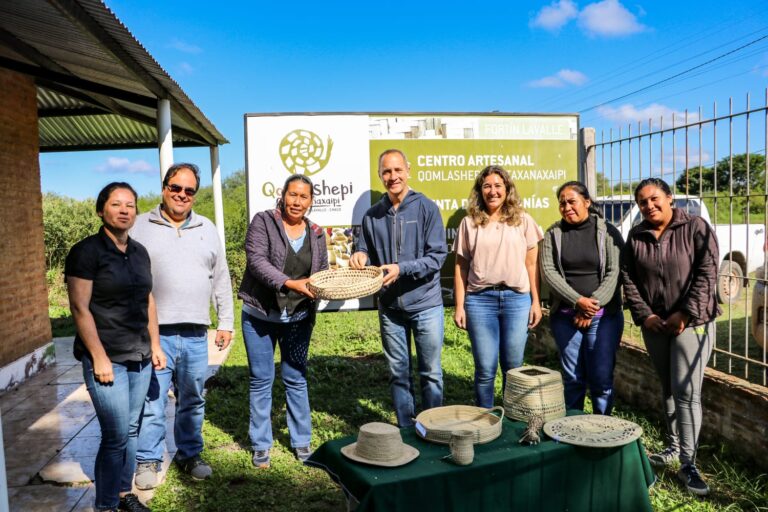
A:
613,62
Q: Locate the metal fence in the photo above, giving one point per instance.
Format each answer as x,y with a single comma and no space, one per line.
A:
715,163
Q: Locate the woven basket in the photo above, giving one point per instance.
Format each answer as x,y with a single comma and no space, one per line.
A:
345,283
441,422
462,447
534,390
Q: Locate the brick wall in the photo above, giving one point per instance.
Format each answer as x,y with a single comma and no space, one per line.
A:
24,324
735,411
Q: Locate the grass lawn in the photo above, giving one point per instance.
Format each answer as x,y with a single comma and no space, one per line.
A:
348,387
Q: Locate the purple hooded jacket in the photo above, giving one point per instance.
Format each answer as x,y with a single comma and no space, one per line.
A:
266,247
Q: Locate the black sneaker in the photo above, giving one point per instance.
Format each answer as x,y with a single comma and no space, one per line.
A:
664,458
690,476
194,467
130,503
303,453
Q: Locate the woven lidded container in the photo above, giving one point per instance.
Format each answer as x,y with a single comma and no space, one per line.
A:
534,390
345,283
439,423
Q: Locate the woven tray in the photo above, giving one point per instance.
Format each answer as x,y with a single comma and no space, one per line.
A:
534,390
346,283
439,423
593,430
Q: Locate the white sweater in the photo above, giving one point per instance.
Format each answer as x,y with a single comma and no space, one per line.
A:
189,269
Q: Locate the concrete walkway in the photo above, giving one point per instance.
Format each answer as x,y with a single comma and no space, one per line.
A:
51,436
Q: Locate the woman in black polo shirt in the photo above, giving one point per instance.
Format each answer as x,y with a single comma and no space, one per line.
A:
109,281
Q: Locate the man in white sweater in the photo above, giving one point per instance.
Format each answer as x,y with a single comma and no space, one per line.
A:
189,270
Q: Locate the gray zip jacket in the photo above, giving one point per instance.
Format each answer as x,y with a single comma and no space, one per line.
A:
189,269
609,244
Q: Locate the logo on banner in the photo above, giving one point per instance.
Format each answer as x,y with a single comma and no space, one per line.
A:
303,152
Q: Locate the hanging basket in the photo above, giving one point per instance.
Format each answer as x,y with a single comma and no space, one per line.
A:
346,283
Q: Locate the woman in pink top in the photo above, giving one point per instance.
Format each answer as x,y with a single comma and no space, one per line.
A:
496,283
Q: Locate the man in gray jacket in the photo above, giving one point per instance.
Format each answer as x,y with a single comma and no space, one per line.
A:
189,269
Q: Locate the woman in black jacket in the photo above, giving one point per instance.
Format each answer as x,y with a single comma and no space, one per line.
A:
669,271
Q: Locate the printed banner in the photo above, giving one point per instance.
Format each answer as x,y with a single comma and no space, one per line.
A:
331,150
446,152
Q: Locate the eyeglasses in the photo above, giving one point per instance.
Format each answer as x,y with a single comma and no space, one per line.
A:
175,189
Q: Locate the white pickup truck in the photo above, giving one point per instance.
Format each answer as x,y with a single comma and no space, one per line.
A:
741,245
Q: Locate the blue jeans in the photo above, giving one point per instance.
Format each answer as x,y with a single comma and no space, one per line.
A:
588,357
497,324
118,407
427,330
186,348
261,337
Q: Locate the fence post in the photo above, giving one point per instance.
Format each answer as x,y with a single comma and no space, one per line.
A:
587,173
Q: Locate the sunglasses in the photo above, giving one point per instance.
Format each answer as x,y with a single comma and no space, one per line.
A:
175,189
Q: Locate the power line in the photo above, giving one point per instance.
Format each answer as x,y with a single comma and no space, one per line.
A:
666,50
660,70
754,41
585,120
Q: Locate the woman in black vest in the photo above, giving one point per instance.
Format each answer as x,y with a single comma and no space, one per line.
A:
283,248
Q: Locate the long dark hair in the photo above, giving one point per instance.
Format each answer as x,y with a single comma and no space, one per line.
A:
291,179
580,189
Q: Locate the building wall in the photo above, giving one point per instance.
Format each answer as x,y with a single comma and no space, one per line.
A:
735,411
24,323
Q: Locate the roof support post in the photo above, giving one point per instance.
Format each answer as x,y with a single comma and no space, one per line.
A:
218,202
586,169
164,135
3,476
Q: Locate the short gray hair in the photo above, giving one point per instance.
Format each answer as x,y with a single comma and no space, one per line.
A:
390,152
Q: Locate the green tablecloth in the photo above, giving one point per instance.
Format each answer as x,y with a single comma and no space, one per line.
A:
504,476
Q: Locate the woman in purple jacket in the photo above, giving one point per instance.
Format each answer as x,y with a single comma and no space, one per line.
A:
283,248
669,270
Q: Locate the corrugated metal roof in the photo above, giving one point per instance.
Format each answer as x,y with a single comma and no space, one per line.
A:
97,85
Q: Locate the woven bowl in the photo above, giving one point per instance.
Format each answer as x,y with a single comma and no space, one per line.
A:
441,422
346,283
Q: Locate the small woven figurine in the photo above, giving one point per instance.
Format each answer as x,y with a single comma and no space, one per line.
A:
531,434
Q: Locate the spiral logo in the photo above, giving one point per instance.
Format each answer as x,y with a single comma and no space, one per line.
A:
303,152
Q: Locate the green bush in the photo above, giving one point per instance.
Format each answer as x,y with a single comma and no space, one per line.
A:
65,222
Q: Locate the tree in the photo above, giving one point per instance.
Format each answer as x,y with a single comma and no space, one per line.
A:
688,183
731,203
603,185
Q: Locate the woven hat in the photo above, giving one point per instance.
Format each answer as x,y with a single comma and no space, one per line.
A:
380,444
593,430
345,283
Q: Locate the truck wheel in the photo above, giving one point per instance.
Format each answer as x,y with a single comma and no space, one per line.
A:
729,282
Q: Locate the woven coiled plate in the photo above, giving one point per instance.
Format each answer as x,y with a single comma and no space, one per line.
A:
593,430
